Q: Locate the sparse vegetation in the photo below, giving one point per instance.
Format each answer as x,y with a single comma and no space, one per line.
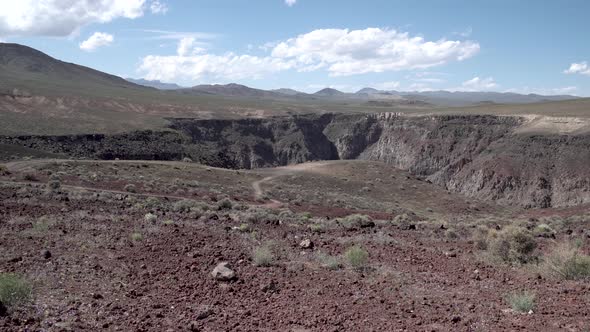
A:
14,290
567,261
53,185
263,256
355,221
30,177
328,261
131,188
150,217
225,204
513,245
521,302
357,257
136,237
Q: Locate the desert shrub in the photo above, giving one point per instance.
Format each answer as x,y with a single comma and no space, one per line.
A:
567,261
480,237
543,230
244,228
521,302
30,177
150,217
130,188
14,290
262,216
187,160
355,220
328,261
357,257
136,237
225,204
317,228
4,170
404,218
184,205
168,222
263,256
512,245
54,185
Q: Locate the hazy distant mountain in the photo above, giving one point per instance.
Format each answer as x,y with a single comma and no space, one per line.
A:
155,84
288,92
462,98
232,89
368,91
329,92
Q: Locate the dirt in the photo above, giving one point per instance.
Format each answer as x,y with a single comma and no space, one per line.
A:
98,278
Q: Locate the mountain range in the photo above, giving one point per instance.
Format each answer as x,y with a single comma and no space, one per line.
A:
29,70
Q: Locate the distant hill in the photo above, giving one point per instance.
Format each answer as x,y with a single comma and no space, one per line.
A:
25,68
288,92
329,92
463,98
231,90
155,84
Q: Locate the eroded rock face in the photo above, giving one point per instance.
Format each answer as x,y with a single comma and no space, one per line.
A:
481,156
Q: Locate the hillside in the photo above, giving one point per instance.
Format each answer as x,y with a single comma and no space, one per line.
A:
27,69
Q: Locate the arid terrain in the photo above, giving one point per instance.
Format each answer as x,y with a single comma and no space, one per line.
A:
123,245
228,208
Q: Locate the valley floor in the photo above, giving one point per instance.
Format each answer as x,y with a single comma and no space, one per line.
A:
130,246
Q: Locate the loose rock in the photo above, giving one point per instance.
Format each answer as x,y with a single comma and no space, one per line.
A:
223,273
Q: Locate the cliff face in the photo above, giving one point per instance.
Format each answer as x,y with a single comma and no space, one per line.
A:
478,155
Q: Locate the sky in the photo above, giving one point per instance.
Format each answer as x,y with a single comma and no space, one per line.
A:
525,46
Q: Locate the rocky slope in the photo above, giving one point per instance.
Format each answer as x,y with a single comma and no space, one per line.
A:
484,157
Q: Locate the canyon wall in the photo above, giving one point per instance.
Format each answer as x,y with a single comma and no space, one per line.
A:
481,156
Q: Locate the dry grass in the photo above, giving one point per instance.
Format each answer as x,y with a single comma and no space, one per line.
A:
567,261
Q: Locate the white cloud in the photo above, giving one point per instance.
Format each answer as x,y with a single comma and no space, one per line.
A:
229,66
479,84
157,7
372,50
338,51
188,46
98,39
290,3
578,68
64,17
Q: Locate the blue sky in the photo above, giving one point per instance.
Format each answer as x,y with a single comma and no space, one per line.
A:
500,45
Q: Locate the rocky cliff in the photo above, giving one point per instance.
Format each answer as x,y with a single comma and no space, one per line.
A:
481,156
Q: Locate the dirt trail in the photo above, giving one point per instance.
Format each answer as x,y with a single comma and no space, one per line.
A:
282,171
23,165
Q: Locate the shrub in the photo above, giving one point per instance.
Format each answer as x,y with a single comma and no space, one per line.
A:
30,177
357,257
567,262
14,290
355,221
263,256
317,228
136,237
224,204
521,302
4,170
131,188
150,217
328,261
184,205
168,222
513,245
544,230
54,185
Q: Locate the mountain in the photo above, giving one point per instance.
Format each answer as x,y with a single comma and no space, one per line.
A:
368,91
464,98
156,84
288,92
230,90
329,92
25,68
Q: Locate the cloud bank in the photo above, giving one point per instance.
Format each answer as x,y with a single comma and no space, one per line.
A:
340,52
